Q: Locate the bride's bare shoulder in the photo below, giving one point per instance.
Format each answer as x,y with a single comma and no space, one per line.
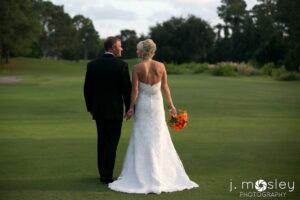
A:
138,66
159,64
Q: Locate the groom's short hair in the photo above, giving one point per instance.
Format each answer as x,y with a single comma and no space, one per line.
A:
109,42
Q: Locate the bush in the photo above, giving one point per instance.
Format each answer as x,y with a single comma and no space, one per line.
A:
224,69
253,63
288,76
200,68
185,68
173,68
195,67
278,71
267,69
246,69
284,75
232,69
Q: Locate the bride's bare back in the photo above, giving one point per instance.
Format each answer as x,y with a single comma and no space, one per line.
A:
150,72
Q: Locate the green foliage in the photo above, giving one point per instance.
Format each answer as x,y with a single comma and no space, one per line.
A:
224,69
289,76
198,68
173,68
279,73
246,69
270,43
88,41
65,37
183,39
283,75
186,68
129,41
276,72
266,69
237,42
42,29
267,33
231,11
19,27
289,16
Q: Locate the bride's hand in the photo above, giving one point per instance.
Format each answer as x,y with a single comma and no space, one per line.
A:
173,111
129,113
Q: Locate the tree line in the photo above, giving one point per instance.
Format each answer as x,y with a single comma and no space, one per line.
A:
37,28
268,32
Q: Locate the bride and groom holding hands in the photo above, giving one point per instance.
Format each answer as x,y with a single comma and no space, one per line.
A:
151,164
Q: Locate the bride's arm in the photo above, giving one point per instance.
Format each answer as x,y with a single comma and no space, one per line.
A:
134,92
166,90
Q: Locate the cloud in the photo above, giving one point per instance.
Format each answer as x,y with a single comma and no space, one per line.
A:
110,17
206,10
160,16
108,12
96,9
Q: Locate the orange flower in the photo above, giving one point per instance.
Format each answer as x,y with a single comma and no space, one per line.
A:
179,121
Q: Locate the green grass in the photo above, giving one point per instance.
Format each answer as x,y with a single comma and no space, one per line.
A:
241,128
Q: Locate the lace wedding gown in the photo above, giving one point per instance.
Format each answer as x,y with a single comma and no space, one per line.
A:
151,164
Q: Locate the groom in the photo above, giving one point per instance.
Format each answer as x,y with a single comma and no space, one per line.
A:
107,88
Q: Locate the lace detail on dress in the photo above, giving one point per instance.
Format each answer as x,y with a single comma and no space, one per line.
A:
152,164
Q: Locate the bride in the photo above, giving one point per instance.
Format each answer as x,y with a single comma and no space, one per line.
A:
151,164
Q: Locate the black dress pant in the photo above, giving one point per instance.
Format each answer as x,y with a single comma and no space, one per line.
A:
109,132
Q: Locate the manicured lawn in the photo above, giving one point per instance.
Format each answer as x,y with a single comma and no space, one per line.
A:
241,129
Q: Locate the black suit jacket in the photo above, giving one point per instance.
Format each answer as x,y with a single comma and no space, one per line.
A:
107,87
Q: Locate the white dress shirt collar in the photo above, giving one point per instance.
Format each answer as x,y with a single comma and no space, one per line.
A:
107,52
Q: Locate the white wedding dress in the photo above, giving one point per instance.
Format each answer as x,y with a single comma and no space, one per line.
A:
151,164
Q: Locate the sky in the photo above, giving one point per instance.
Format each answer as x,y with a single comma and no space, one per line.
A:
112,16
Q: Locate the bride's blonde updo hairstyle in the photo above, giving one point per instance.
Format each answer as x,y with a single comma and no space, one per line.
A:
148,47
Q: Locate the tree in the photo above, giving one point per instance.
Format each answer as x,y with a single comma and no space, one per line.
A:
183,40
88,38
233,13
129,41
289,16
40,28
238,31
222,45
19,27
59,36
270,40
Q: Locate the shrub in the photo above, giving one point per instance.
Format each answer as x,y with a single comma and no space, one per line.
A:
195,67
246,69
185,68
288,76
278,71
267,69
284,75
224,69
253,63
173,68
200,68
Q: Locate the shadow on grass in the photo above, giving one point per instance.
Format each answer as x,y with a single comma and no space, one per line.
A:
84,184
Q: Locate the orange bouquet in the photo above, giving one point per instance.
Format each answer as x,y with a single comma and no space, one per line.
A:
179,121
